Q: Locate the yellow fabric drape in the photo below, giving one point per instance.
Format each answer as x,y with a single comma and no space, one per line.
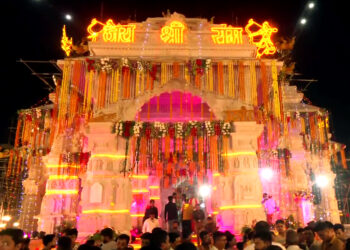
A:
253,83
276,98
231,80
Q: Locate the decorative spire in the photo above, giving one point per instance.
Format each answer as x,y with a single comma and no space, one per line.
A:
66,43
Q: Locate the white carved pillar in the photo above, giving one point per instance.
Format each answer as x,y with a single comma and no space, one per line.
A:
328,209
239,193
297,181
61,194
107,192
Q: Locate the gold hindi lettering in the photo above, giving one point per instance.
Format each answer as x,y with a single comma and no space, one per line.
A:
227,35
111,32
173,33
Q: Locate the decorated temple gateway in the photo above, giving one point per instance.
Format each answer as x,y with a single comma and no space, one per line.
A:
167,105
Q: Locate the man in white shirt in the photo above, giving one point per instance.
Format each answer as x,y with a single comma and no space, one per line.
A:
150,223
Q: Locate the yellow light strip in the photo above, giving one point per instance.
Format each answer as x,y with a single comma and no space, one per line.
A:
107,176
215,212
105,211
113,156
154,198
140,190
62,166
240,206
61,191
153,187
137,215
240,153
139,176
216,174
136,246
62,177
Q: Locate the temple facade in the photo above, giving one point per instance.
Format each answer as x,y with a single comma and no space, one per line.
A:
171,104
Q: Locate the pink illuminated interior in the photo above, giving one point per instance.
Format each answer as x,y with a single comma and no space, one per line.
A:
175,107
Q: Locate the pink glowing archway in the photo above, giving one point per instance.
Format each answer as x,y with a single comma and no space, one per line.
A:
175,106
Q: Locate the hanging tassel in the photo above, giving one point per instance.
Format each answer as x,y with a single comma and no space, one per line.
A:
264,87
159,169
320,125
117,84
158,104
167,146
163,74
200,149
202,111
276,96
180,103
211,78
231,80
221,78
207,80
142,82
176,72
124,80
86,87
137,84
241,81
187,75
343,157
148,81
190,148
312,127
169,169
335,154
171,106
253,83
224,152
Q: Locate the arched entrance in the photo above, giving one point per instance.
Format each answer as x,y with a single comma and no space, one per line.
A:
180,174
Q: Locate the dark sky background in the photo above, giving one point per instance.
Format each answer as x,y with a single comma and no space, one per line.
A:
31,30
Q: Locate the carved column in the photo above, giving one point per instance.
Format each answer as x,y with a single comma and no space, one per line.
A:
328,209
106,189
239,193
33,192
61,196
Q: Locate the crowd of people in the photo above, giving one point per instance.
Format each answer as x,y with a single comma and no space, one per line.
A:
187,211
192,231
322,235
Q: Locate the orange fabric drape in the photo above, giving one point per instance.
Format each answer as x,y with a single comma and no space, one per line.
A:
176,70
190,148
313,132
220,78
200,149
343,157
241,81
264,86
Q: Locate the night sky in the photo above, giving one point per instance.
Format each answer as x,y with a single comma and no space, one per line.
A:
31,30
